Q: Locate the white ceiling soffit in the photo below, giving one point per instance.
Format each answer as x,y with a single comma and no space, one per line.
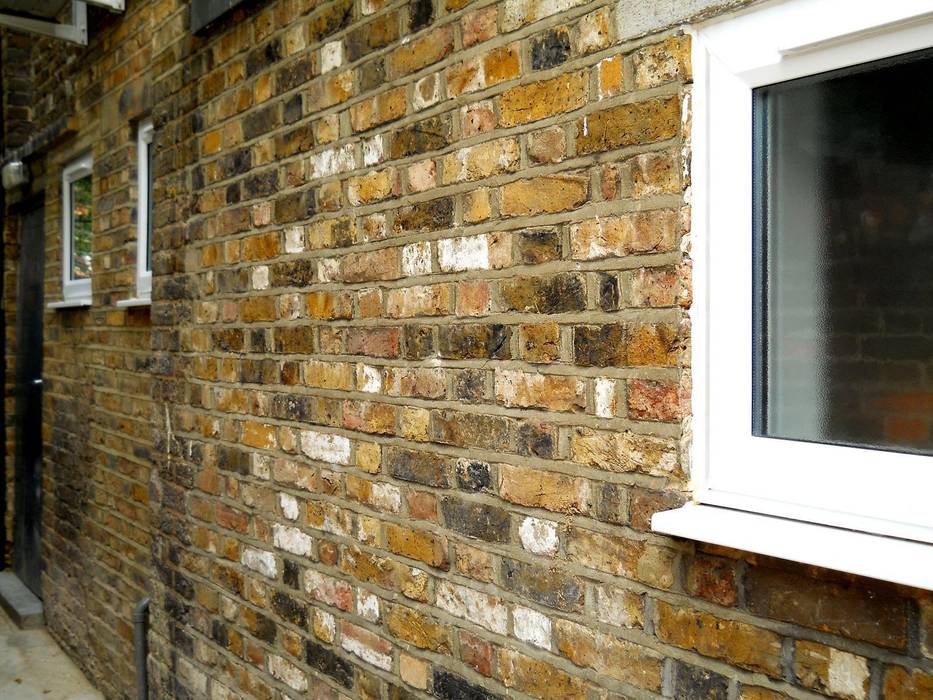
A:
38,17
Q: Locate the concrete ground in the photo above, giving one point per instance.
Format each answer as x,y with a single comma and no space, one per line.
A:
33,667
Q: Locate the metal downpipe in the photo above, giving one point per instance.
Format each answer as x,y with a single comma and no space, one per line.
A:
141,645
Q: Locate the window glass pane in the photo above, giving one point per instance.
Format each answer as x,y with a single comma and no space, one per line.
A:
148,186
82,214
844,257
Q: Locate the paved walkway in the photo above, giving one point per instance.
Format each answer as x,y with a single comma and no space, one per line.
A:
33,667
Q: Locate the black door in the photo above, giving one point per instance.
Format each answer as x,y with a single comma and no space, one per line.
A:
27,559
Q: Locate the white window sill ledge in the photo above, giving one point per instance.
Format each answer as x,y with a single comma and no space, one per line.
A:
885,558
135,301
70,304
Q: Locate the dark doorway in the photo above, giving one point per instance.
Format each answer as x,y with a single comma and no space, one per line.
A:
27,559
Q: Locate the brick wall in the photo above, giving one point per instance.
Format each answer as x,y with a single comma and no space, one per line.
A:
17,98
425,362
420,363
96,406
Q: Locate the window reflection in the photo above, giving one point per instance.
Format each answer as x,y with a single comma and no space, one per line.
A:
148,186
846,253
82,214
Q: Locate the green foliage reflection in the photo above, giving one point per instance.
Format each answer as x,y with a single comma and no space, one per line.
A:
82,215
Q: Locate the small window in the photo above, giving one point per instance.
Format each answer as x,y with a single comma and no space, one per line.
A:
812,317
144,212
77,230
843,244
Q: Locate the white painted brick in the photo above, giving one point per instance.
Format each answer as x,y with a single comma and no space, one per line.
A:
328,269
848,674
260,561
260,277
386,497
605,395
416,259
480,608
368,654
369,378
373,150
465,253
532,627
289,506
290,675
293,540
325,447
367,605
333,161
539,536
294,239
331,56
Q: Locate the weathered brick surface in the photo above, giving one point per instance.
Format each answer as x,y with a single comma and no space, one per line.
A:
97,419
420,363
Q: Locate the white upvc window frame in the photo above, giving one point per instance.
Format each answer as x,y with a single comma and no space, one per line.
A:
144,211
144,136
74,292
821,486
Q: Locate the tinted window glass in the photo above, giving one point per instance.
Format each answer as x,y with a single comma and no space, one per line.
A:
844,257
82,215
148,186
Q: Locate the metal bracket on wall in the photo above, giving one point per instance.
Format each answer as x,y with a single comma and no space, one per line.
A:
76,32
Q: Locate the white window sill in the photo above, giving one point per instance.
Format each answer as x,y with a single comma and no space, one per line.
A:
885,558
70,303
134,301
